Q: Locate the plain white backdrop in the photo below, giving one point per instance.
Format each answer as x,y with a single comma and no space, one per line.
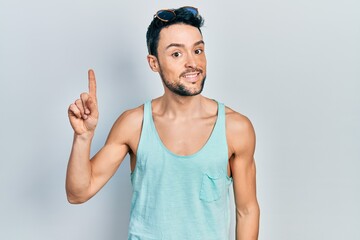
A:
292,67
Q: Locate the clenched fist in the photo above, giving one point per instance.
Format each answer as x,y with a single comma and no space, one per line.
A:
83,113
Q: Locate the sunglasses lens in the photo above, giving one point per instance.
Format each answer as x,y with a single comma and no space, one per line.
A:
193,10
165,15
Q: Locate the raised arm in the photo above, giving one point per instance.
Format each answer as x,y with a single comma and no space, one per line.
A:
85,176
241,140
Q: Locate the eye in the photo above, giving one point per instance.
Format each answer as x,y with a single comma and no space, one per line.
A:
176,54
198,51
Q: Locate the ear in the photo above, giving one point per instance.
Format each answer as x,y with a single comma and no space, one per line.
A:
153,63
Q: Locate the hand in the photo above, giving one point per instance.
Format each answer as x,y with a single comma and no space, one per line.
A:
83,114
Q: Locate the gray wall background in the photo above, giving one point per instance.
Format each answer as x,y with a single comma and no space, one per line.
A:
293,67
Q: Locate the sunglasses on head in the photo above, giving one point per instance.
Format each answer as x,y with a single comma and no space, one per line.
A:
167,15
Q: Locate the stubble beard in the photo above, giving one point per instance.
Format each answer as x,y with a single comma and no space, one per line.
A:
180,89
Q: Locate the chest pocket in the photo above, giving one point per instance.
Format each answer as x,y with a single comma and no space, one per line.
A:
212,186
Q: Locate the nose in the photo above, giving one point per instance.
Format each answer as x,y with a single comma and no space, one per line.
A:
190,61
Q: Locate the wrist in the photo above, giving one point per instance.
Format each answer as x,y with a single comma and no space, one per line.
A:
86,136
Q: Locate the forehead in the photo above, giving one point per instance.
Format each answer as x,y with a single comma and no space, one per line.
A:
179,33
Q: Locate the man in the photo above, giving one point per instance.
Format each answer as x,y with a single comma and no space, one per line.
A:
185,149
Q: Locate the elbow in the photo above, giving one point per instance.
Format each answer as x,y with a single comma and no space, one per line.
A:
250,210
74,199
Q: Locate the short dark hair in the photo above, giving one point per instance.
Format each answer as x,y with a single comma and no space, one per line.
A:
183,16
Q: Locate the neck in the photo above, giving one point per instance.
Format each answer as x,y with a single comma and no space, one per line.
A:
175,106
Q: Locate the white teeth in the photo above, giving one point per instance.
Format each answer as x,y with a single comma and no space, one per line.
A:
190,75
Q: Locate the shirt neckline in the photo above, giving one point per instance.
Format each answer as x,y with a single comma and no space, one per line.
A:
152,123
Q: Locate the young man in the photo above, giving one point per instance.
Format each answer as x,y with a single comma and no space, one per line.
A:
185,149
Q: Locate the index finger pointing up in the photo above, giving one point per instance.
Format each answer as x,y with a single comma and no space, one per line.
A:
92,83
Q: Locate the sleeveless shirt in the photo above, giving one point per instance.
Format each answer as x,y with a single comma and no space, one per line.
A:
180,197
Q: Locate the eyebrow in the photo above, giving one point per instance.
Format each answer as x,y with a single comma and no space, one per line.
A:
182,45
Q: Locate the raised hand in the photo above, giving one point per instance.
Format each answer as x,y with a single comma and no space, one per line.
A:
83,113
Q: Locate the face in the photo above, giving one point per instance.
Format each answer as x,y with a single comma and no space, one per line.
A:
181,60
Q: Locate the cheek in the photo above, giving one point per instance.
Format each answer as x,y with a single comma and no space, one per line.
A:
170,72
173,68
202,60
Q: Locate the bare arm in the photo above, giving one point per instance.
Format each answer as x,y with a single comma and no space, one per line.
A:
86,177
241,138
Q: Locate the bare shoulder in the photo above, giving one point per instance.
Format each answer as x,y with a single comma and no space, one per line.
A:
131,116
127,125
240,132
237,122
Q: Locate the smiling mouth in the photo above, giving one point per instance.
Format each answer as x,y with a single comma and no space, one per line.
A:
191,77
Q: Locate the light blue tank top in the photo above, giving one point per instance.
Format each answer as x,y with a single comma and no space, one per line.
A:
180,197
